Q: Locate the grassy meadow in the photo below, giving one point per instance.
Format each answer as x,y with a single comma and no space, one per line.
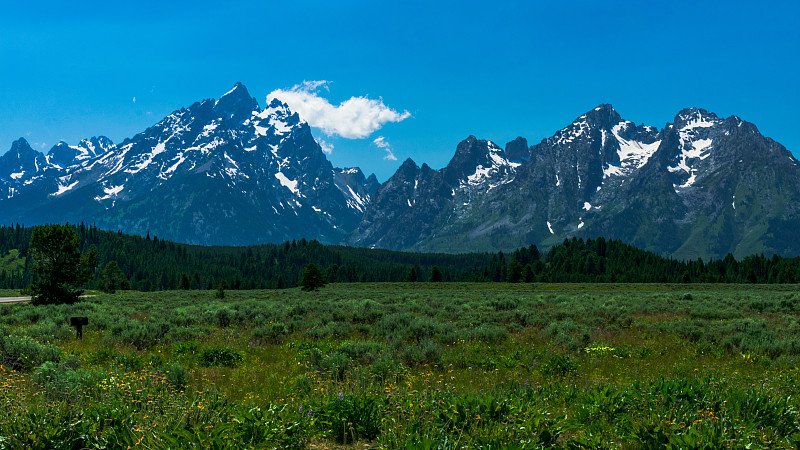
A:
408,365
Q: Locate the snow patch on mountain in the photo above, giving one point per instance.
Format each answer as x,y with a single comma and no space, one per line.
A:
498,170
113,191
62,188
632,154
290,184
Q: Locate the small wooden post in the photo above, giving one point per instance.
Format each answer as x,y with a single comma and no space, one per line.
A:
78,323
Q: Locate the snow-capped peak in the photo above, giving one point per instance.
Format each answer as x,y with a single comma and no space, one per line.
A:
276,117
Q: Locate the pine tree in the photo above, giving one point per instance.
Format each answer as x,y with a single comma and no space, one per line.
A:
112,278
527,274
514,271
312,278
412,275
184,284
436,274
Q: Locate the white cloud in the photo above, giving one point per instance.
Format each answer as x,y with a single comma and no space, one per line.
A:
380,142
134,99
355,118
326,147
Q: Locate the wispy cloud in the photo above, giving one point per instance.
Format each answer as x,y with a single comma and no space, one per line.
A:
380,142
355,118
134,99
326,146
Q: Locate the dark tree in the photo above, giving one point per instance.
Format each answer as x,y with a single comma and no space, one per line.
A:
185,283
514,271
59,267
312,278
527,274
436,274
751,277
412,275
220,290
112,278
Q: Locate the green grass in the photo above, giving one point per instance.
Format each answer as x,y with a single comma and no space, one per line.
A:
427,365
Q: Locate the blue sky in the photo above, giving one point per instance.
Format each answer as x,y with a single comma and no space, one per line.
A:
495,70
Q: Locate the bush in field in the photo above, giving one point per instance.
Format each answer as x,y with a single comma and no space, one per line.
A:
351,417
424,352
23,353
175,374
388,369
57,378
141,335
560,366
489,333
220,356
272,333
335,364
361,352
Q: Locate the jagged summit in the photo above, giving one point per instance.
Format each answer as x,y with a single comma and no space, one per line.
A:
518,150
20,146
603,114
695,118
236,105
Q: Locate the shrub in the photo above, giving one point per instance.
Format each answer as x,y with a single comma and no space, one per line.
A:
350,417
175,374
272,333
57,378
425,352
220,356
387,368
559,365
23,353
361,352
489,333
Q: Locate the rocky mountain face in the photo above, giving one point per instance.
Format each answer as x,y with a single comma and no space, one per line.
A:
700,187
218,172
229,172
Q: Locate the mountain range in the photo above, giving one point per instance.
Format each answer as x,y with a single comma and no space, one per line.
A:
229,172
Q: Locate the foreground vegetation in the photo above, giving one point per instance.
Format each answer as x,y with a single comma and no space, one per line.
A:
439,365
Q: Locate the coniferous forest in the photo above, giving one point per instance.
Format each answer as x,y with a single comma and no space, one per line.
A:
150,263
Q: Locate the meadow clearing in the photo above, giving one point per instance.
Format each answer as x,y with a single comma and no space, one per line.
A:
408,365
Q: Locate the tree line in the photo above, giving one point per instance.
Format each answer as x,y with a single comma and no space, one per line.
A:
151,263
